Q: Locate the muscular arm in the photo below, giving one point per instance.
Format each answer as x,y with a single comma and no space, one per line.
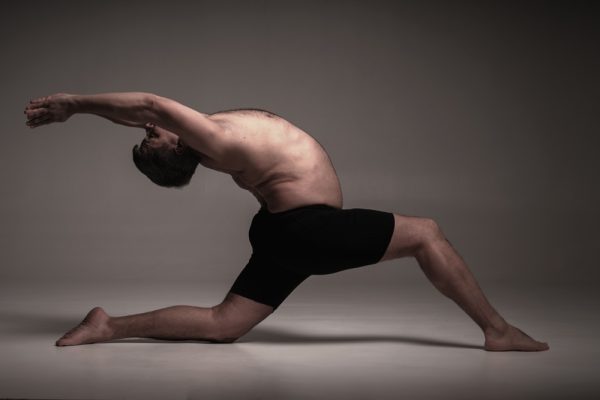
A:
130,109
134,109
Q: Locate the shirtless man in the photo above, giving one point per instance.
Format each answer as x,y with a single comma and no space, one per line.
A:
301,228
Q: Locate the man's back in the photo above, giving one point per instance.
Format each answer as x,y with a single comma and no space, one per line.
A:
280,164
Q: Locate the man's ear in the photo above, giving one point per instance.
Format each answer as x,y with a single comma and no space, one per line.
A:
179,149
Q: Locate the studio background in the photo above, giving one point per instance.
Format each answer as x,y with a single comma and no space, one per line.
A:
482,115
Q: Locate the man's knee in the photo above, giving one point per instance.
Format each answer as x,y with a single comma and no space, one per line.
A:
432,231
235,317
229,332
225,329
412,235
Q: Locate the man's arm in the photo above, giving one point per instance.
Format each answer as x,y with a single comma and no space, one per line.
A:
129,109
134,109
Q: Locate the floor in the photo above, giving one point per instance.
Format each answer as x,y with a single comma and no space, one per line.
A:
351,342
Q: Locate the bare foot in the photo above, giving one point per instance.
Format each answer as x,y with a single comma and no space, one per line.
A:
94,328
513,339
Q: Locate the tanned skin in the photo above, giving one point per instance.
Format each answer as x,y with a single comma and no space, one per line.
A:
284,168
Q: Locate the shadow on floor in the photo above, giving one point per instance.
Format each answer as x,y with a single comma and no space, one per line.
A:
277,335
39,324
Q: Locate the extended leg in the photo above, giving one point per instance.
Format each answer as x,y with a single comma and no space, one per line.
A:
423,239
225,322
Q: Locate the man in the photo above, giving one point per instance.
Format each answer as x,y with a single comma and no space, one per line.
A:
301,228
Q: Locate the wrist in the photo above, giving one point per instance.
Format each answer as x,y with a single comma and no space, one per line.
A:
74,103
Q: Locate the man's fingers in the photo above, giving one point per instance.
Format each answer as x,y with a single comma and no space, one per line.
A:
35,113
34,123
39,100
37,103
34,106
42,117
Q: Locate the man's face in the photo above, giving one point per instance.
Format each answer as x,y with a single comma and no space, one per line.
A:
158,138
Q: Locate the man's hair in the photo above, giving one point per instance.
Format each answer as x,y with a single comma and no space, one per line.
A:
164,166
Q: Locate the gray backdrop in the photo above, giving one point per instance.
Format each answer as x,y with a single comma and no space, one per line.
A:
483,115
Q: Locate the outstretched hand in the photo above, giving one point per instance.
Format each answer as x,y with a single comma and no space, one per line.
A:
45,110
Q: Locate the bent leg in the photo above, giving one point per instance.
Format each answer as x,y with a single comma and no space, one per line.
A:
225,322
423,239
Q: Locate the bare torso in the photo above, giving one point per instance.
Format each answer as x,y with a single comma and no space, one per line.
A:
280,164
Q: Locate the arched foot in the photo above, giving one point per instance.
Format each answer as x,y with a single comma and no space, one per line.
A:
94,328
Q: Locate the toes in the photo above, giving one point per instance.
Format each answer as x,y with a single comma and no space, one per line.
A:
63,341
534,345
524,334
69,338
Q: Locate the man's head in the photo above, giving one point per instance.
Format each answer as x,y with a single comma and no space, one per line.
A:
164,159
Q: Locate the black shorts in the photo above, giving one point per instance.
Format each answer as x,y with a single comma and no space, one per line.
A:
289,246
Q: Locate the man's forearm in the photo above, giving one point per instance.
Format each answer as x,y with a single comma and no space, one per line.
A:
130,108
